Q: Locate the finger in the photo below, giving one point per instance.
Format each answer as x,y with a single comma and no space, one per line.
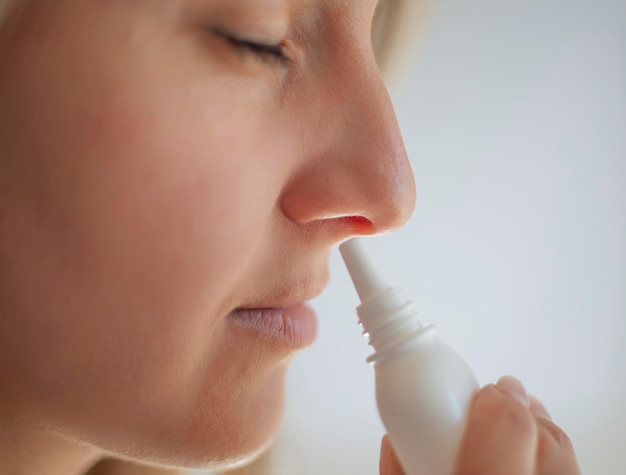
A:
514,388
555,453
538,409
501,433
389,464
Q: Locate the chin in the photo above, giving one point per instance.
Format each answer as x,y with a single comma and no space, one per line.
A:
221,430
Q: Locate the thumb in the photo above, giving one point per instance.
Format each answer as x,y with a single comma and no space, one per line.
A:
389,464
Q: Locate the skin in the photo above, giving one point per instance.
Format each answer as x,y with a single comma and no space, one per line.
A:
154,178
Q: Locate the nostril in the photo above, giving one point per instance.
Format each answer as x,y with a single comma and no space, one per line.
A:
359,224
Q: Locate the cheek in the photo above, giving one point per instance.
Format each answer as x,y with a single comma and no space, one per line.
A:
158,226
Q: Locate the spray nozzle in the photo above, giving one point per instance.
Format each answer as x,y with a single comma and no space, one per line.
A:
367,281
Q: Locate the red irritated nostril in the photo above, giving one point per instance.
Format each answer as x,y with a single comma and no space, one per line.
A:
359,224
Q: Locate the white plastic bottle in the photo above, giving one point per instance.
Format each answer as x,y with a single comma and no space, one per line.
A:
423,387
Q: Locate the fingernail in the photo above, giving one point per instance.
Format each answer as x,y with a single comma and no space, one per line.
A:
513,387
538,409
385,450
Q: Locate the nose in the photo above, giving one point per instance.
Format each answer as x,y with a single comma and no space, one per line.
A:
356,177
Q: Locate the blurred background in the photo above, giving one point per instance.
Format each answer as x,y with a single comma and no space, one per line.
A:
514,116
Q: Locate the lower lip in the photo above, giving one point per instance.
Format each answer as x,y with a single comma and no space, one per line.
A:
289,327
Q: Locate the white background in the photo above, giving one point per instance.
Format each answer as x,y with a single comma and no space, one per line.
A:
514,115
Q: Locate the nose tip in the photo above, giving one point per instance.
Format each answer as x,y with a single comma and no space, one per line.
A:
365,192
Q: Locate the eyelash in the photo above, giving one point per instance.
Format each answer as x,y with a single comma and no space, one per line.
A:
265,52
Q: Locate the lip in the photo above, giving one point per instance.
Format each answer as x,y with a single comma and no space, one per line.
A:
291,327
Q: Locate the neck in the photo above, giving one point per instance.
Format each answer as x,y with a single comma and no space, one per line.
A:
26,450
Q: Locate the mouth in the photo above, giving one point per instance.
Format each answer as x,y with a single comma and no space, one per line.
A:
291,327
284,321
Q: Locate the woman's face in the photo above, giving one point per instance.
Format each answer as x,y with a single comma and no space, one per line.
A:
159,172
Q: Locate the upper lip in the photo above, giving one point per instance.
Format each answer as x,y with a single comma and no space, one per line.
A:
300,292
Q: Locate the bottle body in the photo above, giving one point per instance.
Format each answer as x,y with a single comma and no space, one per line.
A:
424,390
423,387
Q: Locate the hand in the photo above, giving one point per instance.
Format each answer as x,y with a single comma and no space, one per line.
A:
508,433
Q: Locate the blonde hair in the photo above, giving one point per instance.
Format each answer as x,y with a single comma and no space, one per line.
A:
397,25
394,31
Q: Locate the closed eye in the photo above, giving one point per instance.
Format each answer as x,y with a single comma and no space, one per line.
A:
265,51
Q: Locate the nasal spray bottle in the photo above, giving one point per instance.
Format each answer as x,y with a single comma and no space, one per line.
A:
423,387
